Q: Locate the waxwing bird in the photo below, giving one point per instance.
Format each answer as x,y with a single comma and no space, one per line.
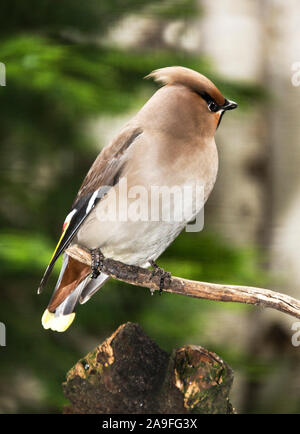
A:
169,142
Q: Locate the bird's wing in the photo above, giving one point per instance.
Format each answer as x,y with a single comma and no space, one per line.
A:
103,174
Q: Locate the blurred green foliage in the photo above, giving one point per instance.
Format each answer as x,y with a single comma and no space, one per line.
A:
58,78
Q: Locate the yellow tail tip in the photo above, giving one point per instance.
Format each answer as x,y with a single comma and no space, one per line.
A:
57,323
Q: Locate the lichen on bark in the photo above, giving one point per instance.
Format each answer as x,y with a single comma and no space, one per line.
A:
129,373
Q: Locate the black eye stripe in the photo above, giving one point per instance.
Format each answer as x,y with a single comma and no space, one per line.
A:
206,97
211,103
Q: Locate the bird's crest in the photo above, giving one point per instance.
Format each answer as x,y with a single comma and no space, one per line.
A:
189,78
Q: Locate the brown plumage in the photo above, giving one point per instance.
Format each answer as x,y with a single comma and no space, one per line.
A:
74,274
193,80
170,142
108,164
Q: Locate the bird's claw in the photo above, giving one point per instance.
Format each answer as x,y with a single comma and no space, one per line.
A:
158,271
97,262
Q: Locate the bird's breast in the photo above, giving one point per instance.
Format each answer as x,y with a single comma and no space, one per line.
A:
155,198
168,161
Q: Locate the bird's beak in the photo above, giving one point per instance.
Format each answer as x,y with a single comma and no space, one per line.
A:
229,105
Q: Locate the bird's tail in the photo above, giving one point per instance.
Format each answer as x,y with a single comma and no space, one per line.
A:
74,285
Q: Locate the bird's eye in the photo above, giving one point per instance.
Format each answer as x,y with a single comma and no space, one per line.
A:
213,107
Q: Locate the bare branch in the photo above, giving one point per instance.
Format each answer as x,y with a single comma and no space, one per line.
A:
176,285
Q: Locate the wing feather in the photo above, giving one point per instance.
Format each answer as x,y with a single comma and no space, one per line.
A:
104,173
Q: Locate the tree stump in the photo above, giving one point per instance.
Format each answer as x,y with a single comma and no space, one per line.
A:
129,374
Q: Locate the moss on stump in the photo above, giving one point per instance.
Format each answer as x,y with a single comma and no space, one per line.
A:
129,373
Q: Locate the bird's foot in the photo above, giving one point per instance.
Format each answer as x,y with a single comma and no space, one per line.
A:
158,271
97,262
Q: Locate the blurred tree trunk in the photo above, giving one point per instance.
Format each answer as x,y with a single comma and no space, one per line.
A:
129,373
